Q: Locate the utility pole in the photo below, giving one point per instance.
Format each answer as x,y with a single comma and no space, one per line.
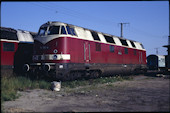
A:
121,35
157,50
168,47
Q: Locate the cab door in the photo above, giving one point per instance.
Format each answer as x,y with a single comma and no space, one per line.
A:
140,58
87,52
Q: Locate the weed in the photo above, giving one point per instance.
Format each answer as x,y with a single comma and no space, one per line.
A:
10,86
101,80
75,83
44,85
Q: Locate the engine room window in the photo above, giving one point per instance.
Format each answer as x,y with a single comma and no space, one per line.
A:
142,46
95,35
8,46
98,47
111,48
63,31
132,43
124,42
42,31
109,39
53,30
126,50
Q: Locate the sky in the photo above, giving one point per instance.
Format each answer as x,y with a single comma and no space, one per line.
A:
148,21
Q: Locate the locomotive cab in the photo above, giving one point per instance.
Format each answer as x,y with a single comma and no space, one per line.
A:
50,48
24,53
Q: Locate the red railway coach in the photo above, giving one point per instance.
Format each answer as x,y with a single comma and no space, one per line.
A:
15,49
69,51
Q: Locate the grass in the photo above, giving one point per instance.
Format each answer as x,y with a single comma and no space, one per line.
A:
101,80
10,86
91,84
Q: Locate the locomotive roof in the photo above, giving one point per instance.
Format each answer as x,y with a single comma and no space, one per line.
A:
88,34
62,23
10,34
155,55
8,29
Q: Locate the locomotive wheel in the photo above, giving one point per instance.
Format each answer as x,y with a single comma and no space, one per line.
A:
94,74
74,75
35,75
65,77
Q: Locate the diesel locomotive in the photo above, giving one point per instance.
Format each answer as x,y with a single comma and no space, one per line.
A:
16,49
67,51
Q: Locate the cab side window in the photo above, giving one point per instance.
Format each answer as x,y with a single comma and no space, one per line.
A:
63,31
71,30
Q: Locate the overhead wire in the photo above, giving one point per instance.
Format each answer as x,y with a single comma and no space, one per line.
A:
84,16
76,13
49,8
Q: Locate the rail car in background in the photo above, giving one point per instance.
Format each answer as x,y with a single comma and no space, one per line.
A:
156,62
67,51
16,49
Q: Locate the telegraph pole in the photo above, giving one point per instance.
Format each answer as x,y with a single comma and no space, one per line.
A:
121,35
168,47
157,50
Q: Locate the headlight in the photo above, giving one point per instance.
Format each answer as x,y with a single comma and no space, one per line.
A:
61,66
55,57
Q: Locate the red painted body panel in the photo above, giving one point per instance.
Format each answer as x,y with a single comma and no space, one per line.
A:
84,51
104,56
7,57
61,46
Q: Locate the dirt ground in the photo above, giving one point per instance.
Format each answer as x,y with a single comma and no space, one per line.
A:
143,93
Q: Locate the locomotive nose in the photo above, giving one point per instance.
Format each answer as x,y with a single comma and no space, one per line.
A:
26,68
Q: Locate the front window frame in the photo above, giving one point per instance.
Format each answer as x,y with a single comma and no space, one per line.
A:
45,31
68,30
55,33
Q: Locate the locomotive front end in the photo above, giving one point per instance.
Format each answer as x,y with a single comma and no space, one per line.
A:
50,51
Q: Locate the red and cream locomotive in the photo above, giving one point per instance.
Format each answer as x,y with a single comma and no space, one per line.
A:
67,51
16,49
